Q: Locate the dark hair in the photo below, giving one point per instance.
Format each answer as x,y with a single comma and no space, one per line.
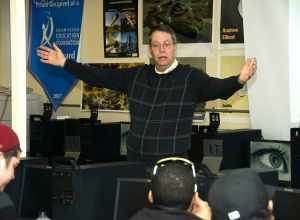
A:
262,215
163,28
12,153
173,186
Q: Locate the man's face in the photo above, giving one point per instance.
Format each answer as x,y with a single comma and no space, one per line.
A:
162,49
7,170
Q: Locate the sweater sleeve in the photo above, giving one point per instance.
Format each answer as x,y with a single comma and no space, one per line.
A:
209,88
115,79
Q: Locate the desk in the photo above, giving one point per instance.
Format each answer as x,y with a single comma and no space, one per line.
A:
236,146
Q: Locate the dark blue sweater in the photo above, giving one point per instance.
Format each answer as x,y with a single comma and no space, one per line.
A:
161,105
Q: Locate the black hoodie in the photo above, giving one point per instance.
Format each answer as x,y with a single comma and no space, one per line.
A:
7,208
163,214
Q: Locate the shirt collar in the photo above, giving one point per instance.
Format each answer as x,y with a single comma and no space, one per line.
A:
169,69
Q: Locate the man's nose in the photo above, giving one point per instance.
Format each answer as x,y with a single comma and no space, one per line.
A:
162,48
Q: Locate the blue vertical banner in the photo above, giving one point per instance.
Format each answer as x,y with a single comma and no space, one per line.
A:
59,22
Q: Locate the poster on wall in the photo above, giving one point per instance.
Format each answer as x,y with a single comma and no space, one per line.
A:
231,28
239,100
56,22
271,155
121,28
190,19
102,98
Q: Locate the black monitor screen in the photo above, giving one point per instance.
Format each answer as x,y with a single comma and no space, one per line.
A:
131,196
36,191
286,205
271,155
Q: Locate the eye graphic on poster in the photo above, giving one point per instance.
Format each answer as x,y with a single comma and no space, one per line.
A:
271,155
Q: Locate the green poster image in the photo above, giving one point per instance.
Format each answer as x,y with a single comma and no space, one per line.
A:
190,19
102,98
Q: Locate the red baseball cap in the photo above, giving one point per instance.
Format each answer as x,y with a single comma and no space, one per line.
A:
8,139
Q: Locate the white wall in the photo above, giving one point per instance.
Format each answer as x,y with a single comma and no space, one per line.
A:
294,48
268,29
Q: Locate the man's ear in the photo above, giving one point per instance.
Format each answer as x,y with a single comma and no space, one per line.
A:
149,51
270,205
150,196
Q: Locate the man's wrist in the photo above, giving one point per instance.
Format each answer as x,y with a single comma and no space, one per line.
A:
240,81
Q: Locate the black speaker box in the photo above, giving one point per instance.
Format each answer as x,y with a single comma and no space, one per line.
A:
88,192
100,142
46,137
295,157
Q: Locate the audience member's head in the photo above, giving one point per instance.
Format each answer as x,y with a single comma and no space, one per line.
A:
9,155
173,185
240,194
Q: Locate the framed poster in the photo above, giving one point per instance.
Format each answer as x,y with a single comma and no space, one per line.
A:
231,65
190,19
120,28
105,99
231,29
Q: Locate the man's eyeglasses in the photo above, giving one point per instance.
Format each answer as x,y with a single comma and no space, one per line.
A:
161,163
164,45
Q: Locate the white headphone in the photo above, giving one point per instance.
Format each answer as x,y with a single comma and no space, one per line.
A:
185,161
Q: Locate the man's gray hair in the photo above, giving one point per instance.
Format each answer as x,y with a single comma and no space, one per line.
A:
163,28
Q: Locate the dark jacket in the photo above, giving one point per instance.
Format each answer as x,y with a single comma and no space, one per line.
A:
163,214
7,208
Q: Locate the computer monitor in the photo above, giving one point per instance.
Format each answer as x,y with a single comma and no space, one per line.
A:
286,204
131,196
271,155
16,187
46,137
35,191
100,143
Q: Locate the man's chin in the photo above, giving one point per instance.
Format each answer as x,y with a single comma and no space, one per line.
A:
162,67
163,64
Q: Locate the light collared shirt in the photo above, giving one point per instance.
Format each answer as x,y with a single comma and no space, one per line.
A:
169,69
